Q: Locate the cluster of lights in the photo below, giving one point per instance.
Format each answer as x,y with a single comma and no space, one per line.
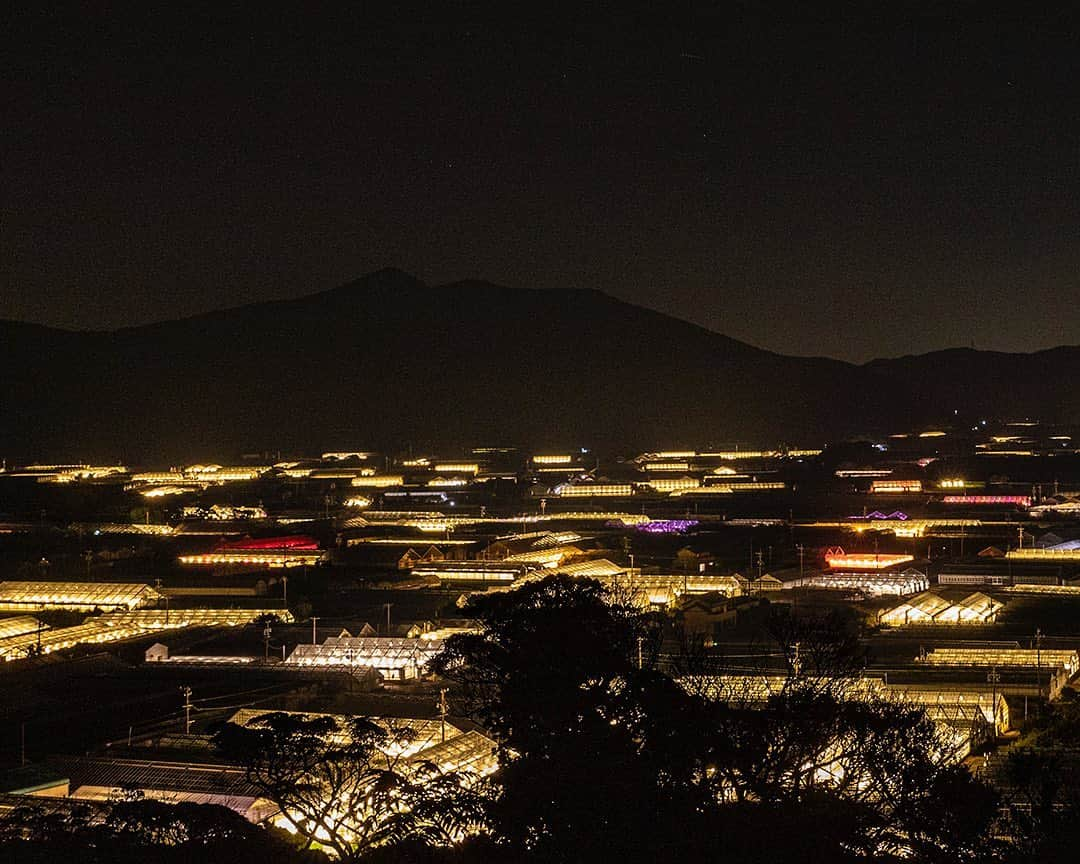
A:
668,526
1014,500
898,515
667,466
673,484
895,486
838,559
952,483
594,490
224,513
1004,657
378,481
81,596
552,460
873,584
457,468
976,608
447,482
117,626
1045,554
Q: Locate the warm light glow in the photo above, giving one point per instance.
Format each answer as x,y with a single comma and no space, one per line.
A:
447,482
841,560
1004,657
871,584
672,484
80,596
457,468
552,460
976,608
594,490
894,486
1017,500
378,481
1045,554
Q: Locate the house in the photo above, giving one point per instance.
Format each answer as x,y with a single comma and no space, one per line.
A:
704,616
156,653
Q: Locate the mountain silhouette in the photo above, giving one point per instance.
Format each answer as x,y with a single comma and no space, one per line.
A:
388,362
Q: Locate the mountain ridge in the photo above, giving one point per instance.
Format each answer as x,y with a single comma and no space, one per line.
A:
386,361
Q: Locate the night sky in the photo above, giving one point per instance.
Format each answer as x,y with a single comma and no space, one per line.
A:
848,183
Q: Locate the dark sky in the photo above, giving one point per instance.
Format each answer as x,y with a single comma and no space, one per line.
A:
850,183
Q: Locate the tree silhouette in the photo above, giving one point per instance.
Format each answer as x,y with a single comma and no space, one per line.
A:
345,783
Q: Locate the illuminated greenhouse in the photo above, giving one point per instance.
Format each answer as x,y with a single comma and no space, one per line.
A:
396,659
75,596
1004,657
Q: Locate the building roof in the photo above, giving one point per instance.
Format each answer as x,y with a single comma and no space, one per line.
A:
81,594
20,624
152,774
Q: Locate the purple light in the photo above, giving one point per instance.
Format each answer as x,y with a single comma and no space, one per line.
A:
667,526
896,515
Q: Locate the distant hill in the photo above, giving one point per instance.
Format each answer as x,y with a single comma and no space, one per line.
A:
388,361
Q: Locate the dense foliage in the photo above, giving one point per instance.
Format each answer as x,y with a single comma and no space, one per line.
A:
606,757
139,831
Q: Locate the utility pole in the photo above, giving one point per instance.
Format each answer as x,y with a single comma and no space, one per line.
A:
443,710
388,605
314,618
993,678
796,660
640,656
1038,661
266,641
187,709
285,590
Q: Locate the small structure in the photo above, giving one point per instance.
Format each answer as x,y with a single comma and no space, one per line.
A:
156,653
705,615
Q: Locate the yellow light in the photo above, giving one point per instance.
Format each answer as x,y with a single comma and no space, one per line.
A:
457,468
